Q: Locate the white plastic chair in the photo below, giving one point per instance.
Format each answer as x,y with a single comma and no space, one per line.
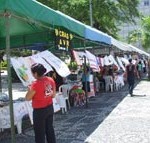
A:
108,83
118,82
19,112
116,85
64,97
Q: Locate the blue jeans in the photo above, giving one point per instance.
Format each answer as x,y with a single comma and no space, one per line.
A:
43,125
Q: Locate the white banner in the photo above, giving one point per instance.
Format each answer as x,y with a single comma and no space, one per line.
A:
77,58
101,61
60,67
22,66
120,63
22,69
125,61
38,59
107,61
93,61
114,61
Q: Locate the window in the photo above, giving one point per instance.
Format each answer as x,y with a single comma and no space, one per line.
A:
146,2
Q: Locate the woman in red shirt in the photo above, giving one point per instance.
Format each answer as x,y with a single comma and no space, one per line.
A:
41,93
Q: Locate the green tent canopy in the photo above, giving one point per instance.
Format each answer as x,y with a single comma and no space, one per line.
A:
26,22
32,22
29,17
36,12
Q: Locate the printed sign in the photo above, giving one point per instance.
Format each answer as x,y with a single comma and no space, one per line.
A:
63,39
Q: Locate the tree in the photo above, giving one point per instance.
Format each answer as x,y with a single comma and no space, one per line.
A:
146,32
107,14
142,34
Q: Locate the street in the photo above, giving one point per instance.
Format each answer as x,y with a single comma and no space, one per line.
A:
112,117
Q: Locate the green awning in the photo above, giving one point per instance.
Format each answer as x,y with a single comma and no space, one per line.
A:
28,18
34,13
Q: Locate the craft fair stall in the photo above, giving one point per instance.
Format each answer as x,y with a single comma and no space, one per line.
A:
98,65
32,23
111,66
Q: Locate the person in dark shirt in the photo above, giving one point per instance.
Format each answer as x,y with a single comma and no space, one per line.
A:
57,78
131,73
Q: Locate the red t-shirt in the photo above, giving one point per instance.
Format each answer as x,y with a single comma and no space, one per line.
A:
44,90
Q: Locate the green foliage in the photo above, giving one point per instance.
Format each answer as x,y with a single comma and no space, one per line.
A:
142,34
134,36
106,13
21,52
73,65
3,65
146,23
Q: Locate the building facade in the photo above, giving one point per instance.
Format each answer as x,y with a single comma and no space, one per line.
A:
144,8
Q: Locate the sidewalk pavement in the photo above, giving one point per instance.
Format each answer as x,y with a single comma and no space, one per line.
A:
112,117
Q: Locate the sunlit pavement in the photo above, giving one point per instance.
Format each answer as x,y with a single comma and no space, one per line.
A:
110,118
129,122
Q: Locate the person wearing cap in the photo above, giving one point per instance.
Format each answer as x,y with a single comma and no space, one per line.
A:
41,92
131,74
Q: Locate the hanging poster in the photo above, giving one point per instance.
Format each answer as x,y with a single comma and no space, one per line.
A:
38,59
77,58
111,58
61,68
93,61
22,69
22,66
107,61
120,63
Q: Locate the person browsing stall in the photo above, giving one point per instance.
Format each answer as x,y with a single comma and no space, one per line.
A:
86,80
41,92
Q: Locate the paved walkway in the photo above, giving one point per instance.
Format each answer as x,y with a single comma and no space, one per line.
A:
110,118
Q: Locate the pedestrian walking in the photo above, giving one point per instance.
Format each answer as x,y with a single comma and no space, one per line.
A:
144,66
140,69
131,74
41,92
